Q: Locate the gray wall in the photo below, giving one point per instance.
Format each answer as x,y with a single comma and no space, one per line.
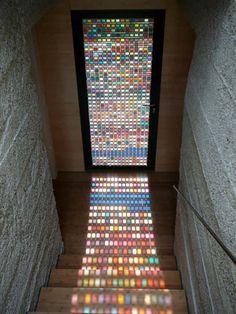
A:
30,239
208,160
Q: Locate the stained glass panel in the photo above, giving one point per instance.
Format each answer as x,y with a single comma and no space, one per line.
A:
118,57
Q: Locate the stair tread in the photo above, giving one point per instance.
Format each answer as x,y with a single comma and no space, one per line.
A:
113,279
151,311
166,262
161,238
79,299
74,249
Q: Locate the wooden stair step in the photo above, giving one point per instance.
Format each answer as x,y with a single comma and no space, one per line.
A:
158,218
117,261
124,310
120,251
162,240
73,249
166,262
80,300
115,279
154,178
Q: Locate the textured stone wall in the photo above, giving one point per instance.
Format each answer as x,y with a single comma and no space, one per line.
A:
30,239
208,160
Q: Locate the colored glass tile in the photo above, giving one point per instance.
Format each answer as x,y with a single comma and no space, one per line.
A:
118,58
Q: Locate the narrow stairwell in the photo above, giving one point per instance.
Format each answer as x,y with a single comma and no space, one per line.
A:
124,265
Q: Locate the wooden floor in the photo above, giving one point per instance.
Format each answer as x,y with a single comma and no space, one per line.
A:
72,191
156,288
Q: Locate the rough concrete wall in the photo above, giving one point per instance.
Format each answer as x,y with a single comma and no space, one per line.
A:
30,239
208,160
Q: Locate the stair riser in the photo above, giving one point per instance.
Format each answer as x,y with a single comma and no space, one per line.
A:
70,261
113,283
91,300
107,279
115,260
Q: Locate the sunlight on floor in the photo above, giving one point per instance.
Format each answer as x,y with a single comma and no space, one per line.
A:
120,266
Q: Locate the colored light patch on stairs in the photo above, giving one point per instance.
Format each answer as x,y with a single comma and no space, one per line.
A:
119,297
113,230
121,250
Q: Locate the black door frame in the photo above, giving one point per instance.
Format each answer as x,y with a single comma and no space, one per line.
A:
158,38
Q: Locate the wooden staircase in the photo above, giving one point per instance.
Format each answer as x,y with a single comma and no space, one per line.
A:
120,278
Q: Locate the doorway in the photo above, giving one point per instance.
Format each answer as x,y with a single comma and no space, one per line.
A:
118,57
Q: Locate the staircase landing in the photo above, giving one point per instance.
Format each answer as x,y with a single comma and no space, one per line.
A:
118,232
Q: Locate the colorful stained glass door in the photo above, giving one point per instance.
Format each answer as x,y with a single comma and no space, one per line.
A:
118,59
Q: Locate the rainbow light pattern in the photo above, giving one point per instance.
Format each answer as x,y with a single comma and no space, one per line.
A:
120,226
118,58
120,252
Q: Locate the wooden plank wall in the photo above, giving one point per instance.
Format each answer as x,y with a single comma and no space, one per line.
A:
54,39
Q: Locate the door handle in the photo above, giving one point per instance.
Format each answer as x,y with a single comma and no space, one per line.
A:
150,106
153,107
